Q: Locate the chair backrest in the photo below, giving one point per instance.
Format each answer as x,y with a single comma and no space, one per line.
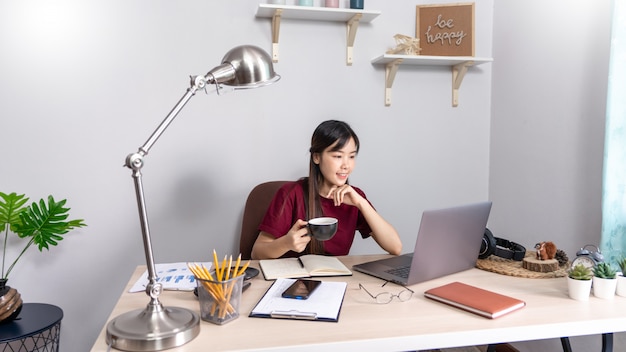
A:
256,206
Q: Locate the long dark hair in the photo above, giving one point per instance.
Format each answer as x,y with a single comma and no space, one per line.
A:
325,135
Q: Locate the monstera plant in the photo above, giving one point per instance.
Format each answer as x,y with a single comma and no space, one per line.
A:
40,223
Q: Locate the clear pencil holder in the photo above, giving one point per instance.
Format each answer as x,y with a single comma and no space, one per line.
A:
219,300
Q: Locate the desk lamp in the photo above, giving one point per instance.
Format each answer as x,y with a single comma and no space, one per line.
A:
157,327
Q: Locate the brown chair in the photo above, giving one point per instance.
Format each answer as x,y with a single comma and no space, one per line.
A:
256,206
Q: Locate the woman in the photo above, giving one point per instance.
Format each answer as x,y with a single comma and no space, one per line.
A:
326,192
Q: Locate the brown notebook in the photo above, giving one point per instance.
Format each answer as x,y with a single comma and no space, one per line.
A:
473,299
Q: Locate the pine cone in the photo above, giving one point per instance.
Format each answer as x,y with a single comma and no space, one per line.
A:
561,257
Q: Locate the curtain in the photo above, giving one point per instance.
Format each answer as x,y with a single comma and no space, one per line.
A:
613,243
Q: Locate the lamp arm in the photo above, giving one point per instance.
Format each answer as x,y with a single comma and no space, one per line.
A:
197,82
134,161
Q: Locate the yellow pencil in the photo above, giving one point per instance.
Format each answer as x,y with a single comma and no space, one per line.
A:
227,300
208,272
243,269
221,274
215,262
193,270
230,262
236,272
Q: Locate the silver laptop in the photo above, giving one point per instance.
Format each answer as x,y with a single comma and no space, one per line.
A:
448,241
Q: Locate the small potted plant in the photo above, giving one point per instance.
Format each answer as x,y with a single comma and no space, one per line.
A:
621,279
39,223
604,282
579,282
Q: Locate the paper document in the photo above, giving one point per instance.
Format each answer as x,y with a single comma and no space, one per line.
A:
324,303
173,276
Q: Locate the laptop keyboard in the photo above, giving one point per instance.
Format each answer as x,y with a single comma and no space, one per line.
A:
402,271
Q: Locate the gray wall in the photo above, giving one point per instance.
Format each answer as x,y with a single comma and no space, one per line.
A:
547,128
85,83
547,122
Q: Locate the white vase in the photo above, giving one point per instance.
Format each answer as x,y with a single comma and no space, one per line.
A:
579,289
604,288
621,285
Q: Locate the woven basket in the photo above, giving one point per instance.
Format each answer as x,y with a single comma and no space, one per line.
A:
514,268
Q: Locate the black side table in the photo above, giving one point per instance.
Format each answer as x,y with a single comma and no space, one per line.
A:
37,328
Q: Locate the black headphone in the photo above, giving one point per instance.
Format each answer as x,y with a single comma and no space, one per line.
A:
500,247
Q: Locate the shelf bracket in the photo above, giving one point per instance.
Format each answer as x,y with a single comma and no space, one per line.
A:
275,33
458,72
351,26
390,75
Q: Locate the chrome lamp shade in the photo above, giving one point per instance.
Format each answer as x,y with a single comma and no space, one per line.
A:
245,67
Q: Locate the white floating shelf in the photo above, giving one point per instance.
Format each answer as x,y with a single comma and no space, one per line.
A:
351,17
459,65
315,13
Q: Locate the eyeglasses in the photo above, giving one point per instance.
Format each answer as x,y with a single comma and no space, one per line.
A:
386,297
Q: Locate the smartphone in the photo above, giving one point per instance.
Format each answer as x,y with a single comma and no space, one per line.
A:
301,289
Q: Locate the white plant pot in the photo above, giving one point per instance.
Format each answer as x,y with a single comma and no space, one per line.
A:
621,285
579,289
604,288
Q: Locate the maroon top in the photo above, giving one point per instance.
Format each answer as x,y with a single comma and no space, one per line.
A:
288,205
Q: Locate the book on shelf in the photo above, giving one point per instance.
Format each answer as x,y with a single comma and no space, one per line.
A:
473,299
308,265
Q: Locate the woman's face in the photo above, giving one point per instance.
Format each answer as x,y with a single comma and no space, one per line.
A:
336,165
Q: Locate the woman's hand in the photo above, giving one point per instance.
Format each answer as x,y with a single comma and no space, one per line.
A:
297,238
345,194
383,233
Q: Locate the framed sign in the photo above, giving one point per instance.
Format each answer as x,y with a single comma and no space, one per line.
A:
445,29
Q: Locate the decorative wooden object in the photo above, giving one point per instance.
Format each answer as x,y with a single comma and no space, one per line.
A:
405,45
545,250
538,265
445,30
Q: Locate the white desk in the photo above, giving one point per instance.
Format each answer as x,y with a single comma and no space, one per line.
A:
413,325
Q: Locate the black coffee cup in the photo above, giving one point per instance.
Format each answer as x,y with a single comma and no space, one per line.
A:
322,229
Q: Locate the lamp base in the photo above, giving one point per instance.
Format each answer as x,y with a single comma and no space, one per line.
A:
153,329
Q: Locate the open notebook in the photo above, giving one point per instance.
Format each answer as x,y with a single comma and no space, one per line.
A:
309,265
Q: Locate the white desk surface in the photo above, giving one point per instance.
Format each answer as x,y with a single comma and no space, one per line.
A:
413,325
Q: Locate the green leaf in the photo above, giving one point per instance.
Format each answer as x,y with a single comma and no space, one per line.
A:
45,223
11,205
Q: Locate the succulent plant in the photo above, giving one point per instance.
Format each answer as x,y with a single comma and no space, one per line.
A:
604,270
580,272
622,265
